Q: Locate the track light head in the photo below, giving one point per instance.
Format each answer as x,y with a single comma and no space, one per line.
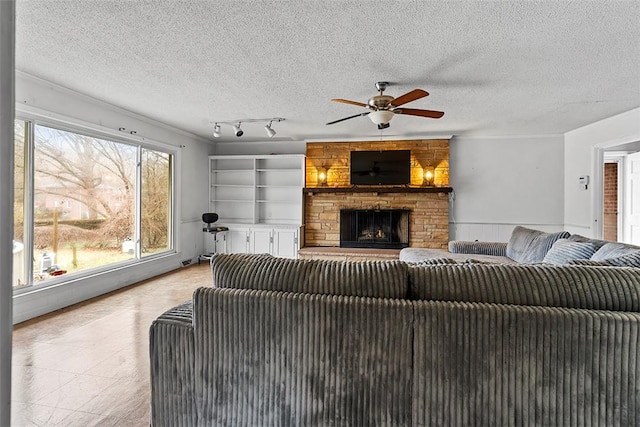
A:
270,131
216,131
237,130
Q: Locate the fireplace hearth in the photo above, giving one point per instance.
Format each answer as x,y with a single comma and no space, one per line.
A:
374,228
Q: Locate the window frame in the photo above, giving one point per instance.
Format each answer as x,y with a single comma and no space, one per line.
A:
32,119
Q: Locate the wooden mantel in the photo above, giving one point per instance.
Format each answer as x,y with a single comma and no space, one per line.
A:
374,189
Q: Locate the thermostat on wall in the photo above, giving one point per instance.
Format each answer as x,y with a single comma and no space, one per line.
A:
583,181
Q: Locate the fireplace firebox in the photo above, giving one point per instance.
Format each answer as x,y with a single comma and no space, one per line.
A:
374,228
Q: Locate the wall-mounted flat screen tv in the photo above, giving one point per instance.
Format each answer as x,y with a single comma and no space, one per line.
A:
390,167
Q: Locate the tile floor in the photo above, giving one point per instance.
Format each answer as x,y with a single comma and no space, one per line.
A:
88,365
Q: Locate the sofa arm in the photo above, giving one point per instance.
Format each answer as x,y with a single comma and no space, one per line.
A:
479,248
171,350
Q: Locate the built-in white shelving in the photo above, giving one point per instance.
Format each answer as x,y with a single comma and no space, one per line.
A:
260,199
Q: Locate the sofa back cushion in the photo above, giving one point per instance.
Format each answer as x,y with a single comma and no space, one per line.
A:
528,246
381,279
601,288
282,359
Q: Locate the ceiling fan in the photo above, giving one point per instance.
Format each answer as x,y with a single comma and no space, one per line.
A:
382,108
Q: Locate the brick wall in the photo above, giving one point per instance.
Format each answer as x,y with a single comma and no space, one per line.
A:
429,218
334,156
610,207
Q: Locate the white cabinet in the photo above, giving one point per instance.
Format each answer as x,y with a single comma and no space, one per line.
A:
286,242
259,198
237,240
261,241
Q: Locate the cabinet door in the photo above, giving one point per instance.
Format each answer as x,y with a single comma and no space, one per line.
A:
237,241
221,242
261,240
286,242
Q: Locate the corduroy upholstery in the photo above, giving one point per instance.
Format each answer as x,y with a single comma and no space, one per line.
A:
172,353
592,288
480,248
480,344
501,365
381,279
269,358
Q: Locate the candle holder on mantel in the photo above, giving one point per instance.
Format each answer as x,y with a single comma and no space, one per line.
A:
428,174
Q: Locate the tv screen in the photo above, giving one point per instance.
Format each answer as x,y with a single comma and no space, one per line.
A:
391,167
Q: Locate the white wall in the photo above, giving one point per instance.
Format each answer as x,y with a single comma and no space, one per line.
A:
502,182
46,100
580,151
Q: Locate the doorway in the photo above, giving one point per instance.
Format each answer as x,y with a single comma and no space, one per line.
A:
621,194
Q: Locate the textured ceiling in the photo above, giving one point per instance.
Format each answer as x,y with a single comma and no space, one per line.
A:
494,68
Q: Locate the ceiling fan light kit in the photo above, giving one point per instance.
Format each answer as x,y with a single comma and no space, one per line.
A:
384,107
217,132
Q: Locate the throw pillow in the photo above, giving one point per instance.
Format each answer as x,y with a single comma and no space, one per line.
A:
614,250
595,242
529,246
564,250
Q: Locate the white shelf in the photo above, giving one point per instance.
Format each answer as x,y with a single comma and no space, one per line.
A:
271,183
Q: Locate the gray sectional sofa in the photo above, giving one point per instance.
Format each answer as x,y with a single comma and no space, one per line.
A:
281,342
531,246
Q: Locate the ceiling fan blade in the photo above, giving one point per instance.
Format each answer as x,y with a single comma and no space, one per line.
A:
408,97
347,118
346,101
421,113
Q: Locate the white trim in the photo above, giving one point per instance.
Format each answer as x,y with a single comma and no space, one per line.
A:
509,137
597,184
105,105
380,138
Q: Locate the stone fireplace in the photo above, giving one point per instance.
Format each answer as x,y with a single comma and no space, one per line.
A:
374,228
427,207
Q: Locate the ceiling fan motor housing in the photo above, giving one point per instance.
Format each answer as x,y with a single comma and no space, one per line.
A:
380,101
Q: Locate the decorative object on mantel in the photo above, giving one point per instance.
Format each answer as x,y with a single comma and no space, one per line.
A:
382,108
429,173
239,132
322,176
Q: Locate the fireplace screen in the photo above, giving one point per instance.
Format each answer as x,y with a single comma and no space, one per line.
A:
377,228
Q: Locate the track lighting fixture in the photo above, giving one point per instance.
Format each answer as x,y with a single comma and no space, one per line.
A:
237,130
270,131
217,128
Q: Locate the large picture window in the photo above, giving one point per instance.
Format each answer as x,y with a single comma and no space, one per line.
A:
83,202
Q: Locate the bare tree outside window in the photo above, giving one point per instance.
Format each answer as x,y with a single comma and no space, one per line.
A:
85,201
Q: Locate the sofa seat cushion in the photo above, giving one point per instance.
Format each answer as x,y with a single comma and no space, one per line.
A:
441,256
614,250
380,279
564,250
600,288
529,246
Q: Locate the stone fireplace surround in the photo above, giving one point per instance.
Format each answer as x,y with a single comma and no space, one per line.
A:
428,206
